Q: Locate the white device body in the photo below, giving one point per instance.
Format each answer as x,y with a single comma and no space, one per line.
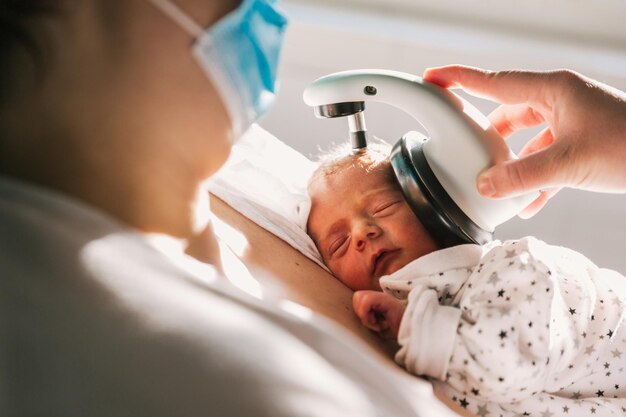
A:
462,142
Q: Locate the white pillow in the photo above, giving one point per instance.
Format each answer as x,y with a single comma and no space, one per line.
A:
266,181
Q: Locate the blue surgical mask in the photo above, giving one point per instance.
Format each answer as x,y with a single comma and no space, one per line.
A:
240,54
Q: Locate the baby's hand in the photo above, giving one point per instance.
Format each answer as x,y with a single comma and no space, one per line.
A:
379,311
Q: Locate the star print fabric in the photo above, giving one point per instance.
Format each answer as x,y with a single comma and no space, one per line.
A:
515,327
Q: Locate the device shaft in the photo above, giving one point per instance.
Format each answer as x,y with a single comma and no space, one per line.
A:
358,131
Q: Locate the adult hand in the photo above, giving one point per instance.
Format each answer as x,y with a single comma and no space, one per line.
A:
583,145
379,311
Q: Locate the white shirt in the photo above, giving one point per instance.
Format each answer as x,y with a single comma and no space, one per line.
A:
516,327
95,321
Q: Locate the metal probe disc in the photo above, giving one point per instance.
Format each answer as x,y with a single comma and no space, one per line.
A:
433,206
328,111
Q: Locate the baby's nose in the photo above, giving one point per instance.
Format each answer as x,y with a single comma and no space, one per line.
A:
365,233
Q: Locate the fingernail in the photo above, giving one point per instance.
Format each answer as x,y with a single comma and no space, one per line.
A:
485,186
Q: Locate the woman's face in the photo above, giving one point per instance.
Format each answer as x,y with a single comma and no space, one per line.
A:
116,105
126,72
179,100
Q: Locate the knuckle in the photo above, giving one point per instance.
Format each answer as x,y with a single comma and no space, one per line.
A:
499,76
506,127
516,176
534,115
568,162
567,78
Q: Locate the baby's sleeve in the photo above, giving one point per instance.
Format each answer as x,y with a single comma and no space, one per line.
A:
496,342
427,334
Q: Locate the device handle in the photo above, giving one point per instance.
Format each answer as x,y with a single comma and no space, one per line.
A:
462,140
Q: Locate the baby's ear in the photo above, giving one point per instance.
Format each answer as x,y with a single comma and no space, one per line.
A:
302,209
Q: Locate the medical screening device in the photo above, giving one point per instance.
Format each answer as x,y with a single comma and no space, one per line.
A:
437,173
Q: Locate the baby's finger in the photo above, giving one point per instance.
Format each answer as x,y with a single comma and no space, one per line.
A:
359,306
378,320
509,118
362,303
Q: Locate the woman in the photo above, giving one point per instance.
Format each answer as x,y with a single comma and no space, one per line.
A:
112,115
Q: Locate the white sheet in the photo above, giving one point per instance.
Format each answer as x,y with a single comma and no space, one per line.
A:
265,180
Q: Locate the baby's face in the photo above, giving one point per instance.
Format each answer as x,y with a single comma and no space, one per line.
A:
363,227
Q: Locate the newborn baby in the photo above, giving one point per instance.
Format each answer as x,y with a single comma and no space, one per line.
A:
354,201
513,328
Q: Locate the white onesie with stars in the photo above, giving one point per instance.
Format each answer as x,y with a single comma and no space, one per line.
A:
515,328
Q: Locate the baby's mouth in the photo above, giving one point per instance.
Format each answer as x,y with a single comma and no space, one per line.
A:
382,262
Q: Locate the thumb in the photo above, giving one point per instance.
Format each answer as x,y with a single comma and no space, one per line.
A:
534,172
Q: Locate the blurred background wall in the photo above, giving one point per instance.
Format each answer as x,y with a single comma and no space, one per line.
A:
411,35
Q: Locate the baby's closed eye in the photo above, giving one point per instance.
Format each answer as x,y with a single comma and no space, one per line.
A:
337,245
385,208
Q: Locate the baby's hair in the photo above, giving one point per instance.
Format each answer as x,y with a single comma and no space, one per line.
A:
373,158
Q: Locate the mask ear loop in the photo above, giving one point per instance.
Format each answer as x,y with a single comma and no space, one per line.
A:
179,16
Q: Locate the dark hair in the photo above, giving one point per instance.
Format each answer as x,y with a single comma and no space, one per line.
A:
19,39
